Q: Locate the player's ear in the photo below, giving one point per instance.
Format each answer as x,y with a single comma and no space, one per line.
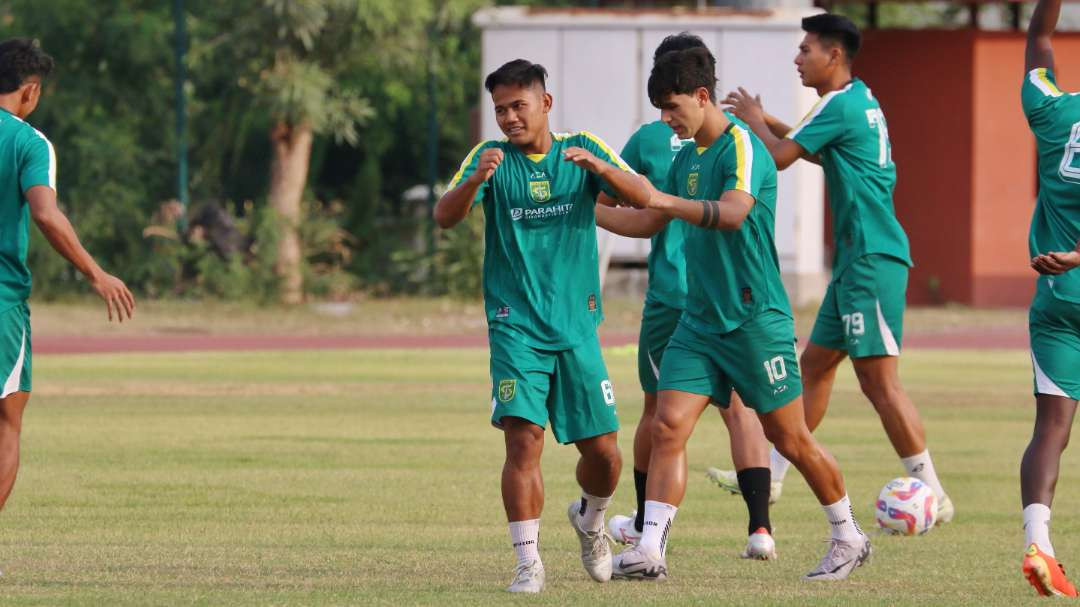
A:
546,101
27,93
702,95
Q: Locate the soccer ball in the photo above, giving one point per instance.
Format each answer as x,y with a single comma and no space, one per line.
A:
906,506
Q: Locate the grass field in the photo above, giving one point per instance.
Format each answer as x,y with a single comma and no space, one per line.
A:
370,477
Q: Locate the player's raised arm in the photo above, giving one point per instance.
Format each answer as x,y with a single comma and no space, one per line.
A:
58,231
626,185
1039,52
467,185
769,129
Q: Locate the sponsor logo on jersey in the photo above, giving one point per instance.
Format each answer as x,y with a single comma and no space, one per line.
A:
691,184
503,312
507,389
557,210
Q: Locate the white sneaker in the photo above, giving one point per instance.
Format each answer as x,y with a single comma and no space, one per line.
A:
634,564
728,480
945,511
841,559
528,577
760,546
622,529
595,550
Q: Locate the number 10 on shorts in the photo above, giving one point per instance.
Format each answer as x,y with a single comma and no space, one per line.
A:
776,369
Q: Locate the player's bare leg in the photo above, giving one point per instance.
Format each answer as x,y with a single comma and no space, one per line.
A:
11,412
880,382
627,529
750,455
818,366
849,548
523,499
1038,480
598,473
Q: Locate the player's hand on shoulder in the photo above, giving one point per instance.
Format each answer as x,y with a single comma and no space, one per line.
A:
745,106
490,159
586,160
118,299
1056,263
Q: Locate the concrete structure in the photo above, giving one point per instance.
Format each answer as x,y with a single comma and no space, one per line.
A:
599,62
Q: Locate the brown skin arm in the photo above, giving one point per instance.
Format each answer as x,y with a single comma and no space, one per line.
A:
58,231
1044,18
1057,262
633,223
629,187
728,213
454,205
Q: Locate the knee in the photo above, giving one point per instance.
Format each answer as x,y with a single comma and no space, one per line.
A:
666,432
881,390
524,446
604,452
790,443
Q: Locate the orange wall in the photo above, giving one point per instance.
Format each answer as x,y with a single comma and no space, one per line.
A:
965,158
923,80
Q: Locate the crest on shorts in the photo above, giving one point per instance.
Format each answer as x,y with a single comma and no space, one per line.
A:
691,184
540,191
507,389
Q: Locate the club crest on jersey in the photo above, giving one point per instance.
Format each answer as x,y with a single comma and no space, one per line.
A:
539,187
691,184
507,389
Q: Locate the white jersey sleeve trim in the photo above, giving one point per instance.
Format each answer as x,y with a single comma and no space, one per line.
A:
52,158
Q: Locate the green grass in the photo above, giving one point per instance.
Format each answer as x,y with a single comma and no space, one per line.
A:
371,477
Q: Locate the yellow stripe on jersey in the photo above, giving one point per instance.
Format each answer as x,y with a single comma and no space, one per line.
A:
744,159
814,111
465,164
1039,79
613,158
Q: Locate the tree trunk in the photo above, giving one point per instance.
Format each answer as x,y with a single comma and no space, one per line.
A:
288,176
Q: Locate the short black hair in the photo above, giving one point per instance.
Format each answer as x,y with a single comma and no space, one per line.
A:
519,72
21,58
836,29
678,42
682,73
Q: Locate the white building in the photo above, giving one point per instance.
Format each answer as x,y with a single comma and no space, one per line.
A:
599,63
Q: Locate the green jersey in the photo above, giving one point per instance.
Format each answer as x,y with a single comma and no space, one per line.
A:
541,273
1054,118
847,129
731,275
26,160
650,151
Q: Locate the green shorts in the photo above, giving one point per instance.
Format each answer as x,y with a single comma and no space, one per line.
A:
863,310
15,356
571,388
658,322
1054,326
758,360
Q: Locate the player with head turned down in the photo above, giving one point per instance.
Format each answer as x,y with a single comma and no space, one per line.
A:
737,331
862,314
650,151
542,299
28,175
1054,317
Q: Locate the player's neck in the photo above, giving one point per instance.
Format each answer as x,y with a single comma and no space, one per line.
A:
11,104
539,146
712,128
836,81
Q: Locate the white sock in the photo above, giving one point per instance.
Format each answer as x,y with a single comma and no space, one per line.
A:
842,520
1037,527
778,465
654,534
525,536
922,467
592,511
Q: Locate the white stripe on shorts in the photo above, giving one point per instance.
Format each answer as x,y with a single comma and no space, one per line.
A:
655,371
886,333
1043,384
12,384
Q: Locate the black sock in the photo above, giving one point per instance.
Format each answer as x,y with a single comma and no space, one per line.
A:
639,486
754,484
